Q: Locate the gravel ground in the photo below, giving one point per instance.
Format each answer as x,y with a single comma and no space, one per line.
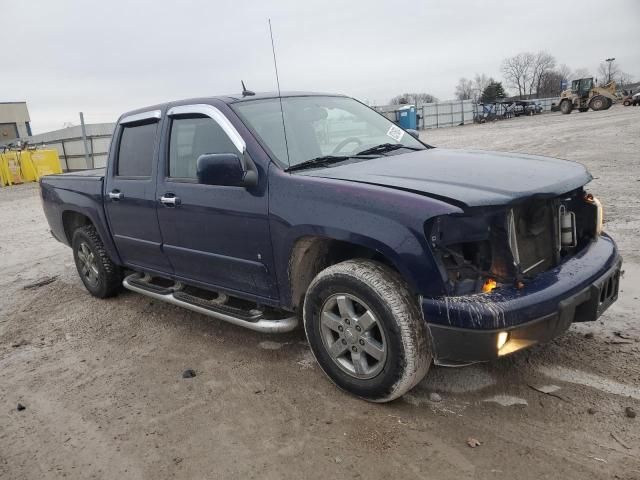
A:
102,382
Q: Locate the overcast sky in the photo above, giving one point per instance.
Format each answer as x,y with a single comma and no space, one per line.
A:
105,57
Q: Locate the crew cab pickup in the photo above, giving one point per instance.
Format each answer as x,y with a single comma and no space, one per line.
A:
269,210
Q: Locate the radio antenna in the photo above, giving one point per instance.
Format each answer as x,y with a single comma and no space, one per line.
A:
275,65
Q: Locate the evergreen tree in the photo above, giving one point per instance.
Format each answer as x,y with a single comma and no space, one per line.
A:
492,92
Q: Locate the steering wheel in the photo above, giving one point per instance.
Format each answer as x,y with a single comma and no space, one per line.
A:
346,142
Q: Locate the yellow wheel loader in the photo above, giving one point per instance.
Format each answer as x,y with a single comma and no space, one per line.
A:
585,95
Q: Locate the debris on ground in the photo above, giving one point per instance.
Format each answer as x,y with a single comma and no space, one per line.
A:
40,283
269,345
630,412
592,411
620,441
626,336
473,442
597,459
588,335
19,343
189,373
619,342
20,407
435,397
549,390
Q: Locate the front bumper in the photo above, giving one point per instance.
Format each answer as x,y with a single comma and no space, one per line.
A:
466,329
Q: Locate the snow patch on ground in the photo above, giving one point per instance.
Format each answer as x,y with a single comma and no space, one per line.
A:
590,380
506,400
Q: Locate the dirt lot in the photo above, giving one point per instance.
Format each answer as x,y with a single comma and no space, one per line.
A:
104,395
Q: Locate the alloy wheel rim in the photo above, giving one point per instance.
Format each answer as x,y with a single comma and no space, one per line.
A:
353,336
88,264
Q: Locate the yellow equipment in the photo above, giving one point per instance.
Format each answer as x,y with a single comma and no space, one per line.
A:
19,166
584,95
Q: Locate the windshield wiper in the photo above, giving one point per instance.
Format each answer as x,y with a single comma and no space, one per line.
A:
319,162
386,147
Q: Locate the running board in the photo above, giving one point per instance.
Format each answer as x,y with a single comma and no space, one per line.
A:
253,320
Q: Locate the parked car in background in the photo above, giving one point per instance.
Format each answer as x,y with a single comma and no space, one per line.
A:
529,107
631,99
263,210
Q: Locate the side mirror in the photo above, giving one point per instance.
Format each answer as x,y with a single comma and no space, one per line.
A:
414,133
224,169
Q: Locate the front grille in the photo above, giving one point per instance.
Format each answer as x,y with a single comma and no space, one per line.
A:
609,289
533,225
544,232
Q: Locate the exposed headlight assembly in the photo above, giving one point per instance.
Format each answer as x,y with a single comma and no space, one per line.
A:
599,211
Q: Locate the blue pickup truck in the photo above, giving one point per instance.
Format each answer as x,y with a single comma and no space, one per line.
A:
269,210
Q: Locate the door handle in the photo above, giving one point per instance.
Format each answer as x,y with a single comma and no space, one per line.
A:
169,201
115,195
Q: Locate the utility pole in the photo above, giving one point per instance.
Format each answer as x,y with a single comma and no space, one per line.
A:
609,61
86,145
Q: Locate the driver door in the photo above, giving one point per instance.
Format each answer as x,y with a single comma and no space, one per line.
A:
213,235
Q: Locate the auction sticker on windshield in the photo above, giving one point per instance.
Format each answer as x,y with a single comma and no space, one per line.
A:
395,132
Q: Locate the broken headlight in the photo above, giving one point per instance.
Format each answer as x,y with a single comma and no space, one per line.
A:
589,198
471,251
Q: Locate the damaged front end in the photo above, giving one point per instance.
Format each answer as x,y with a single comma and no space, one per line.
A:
486,248
518,275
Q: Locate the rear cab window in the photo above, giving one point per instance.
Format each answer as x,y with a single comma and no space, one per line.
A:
135,150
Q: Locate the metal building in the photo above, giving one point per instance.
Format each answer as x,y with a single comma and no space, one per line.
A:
14,121
71,146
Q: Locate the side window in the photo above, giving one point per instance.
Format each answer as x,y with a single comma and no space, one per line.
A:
135,155
192,137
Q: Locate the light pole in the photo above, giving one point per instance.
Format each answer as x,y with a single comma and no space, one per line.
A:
609,60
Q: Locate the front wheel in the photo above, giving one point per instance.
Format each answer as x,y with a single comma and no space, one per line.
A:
566,106
366,330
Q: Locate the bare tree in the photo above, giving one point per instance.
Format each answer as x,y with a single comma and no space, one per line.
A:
624,79
518,71
581,73
607,71
415,98
565,71
480,82
543,63
551,84
464,89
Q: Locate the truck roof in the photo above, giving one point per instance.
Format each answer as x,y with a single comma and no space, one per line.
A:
231,98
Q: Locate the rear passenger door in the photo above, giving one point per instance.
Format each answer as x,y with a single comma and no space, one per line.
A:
130,201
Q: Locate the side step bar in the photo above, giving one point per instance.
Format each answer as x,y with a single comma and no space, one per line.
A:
253,320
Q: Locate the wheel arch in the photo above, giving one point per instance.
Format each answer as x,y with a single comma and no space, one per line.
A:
72,219
310,254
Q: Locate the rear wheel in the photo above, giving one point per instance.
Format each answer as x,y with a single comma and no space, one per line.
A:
627,103
599,103
366,330
566,106
101,277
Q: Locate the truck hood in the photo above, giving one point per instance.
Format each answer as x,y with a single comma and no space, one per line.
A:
470,178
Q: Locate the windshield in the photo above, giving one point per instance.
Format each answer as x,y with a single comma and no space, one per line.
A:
318,126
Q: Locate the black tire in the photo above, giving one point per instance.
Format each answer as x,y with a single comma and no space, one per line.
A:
566,106
399,329
106,279
598,103
627,103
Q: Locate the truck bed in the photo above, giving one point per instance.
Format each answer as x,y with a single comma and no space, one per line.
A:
79,193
